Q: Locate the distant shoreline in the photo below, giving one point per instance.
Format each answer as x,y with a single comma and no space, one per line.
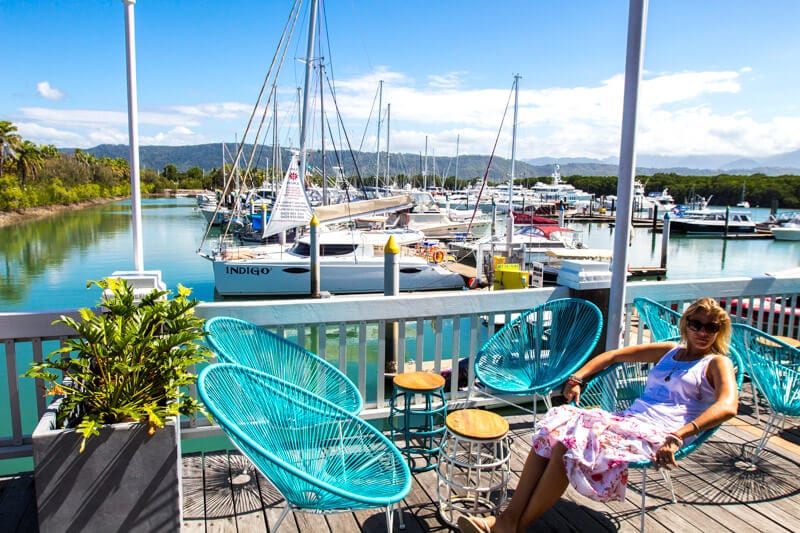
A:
8,218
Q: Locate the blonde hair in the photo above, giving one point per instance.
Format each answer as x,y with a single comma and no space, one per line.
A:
712,308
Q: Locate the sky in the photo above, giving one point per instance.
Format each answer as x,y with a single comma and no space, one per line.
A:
720,76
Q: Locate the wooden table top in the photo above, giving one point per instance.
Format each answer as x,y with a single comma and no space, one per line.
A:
419,381
794,343
477,424
788,340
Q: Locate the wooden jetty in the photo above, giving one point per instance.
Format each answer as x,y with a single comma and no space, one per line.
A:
715,492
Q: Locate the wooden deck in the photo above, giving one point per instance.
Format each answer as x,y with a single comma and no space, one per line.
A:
714,493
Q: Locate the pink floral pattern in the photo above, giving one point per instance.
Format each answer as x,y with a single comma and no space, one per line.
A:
599,447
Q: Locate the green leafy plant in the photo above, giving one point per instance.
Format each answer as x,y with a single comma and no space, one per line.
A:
129,361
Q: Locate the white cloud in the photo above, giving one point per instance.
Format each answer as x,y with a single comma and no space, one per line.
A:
225,110
174,137
48,135
46,91
449,80
679,113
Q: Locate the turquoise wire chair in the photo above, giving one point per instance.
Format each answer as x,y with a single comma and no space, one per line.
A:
537,351
240,342
774,368
322,458
617,387
662,321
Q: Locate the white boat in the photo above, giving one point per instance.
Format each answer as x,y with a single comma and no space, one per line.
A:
788,232
559,191
663,201
787,228
712,222
436,223
349,262
530,241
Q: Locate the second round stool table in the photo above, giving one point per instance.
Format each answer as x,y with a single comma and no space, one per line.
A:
474,466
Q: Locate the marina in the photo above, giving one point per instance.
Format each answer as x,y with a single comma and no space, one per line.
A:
58,255
361,407
48,262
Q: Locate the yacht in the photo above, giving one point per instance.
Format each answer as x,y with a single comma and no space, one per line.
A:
350,261
711,222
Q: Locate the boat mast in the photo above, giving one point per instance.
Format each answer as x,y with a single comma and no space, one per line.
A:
378,137
276,150
458,141
510,219
388,119
425,167
322,130
312,23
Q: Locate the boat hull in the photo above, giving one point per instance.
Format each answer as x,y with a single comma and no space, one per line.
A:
690,227
786,234
292,278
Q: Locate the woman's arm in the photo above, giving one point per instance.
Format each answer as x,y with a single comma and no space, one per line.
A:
645,353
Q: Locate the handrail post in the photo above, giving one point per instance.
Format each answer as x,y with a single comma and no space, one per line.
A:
391,287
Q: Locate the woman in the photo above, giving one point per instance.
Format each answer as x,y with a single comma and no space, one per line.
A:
692,387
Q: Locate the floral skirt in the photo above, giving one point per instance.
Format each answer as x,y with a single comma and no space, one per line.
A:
599,447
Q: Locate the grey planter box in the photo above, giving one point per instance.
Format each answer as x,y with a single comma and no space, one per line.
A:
125,480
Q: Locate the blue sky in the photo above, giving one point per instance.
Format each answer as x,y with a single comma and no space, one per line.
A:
721,77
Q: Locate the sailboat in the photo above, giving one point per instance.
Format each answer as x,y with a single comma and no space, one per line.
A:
743,203
350,261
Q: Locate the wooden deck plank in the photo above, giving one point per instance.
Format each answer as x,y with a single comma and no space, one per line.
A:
194,508
223,493
246,494
220,511
18,503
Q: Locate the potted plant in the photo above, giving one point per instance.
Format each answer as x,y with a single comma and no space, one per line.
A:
102,461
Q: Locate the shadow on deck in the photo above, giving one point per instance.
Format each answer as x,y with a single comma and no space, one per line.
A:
715,491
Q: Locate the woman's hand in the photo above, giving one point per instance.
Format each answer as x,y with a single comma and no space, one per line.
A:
665,455
572,392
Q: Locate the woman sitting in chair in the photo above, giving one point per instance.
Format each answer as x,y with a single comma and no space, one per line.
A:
691,388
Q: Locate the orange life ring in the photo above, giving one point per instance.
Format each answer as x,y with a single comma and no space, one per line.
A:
438,256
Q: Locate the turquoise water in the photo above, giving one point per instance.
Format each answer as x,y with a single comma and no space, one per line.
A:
46,264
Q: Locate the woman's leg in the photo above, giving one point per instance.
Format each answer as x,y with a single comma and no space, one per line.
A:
535,466
550,486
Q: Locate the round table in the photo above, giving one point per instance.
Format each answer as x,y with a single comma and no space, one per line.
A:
474,466
417,427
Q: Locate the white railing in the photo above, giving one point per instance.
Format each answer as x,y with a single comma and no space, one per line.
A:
434,332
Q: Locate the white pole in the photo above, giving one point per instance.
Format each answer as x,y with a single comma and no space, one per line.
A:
637,19
307,88
510,219
133,135
378,137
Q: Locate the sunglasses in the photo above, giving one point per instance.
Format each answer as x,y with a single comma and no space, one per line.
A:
696,325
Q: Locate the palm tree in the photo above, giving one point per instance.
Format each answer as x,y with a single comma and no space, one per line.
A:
8,142
29,160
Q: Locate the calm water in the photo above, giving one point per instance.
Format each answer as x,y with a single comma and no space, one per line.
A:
46,263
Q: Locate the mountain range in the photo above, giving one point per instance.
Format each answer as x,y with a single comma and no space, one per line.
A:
208,156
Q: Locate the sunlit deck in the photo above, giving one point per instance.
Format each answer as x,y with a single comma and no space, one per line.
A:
714,493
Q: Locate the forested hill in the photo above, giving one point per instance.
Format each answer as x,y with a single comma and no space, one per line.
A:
208,156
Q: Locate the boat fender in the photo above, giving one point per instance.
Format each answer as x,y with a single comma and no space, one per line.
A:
438,256
472,283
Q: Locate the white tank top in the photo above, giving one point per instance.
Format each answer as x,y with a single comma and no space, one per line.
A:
676,392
